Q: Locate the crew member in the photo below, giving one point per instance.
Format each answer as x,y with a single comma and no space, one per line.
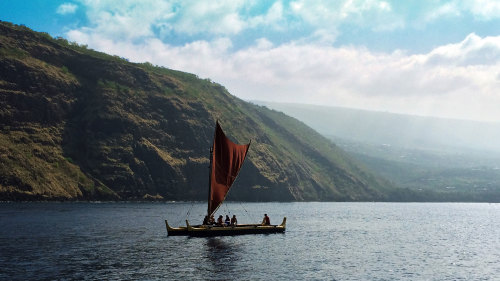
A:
266,220
234,221
219,221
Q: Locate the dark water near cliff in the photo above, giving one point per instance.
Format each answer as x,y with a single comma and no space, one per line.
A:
324,241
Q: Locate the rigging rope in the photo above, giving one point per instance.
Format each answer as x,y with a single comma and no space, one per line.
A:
248,214
189,211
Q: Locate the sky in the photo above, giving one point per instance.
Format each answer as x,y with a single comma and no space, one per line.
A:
421,57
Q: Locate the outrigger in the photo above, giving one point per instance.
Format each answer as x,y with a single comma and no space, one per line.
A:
226,159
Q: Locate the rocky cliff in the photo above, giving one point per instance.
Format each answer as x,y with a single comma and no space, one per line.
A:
76,124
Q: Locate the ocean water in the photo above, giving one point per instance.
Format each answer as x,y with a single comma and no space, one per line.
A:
323,241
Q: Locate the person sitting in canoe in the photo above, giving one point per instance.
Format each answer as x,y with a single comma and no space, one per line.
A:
234,221
206,221
266,220
211,221
219,221
227,221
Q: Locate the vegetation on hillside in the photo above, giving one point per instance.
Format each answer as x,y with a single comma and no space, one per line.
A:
440,176
437,159
79,124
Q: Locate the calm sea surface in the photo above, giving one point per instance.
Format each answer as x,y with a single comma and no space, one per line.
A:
323,241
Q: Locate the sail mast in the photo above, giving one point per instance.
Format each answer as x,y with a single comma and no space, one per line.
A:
210,172
210,182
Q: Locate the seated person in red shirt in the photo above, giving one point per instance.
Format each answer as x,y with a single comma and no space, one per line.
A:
266,220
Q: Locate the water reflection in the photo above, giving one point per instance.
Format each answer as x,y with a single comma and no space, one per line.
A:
222,253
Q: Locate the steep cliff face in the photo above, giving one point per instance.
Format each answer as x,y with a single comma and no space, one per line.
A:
79,124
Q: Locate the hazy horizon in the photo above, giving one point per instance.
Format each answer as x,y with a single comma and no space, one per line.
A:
410,131
265,103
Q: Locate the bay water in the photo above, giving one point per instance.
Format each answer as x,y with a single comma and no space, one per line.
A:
323,241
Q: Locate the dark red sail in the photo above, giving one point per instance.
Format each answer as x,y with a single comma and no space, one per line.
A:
227,159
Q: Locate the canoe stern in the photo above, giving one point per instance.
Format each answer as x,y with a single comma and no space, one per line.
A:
175,231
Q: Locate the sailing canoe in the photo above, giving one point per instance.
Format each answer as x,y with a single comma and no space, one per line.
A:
226,159
213,230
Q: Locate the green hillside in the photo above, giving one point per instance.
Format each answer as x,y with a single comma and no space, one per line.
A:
439,159
76,124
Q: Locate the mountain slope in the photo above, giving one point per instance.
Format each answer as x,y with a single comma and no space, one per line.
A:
396,129
452,160
79,124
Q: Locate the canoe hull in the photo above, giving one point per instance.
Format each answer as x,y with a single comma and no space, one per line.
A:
229,231
208,231
176,231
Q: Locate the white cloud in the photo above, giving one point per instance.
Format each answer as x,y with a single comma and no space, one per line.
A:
274,18
66,8
131,19
485,9
218,17
348,76
482,10
454,80
127,19
473,50
263,44
323,14
445,10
